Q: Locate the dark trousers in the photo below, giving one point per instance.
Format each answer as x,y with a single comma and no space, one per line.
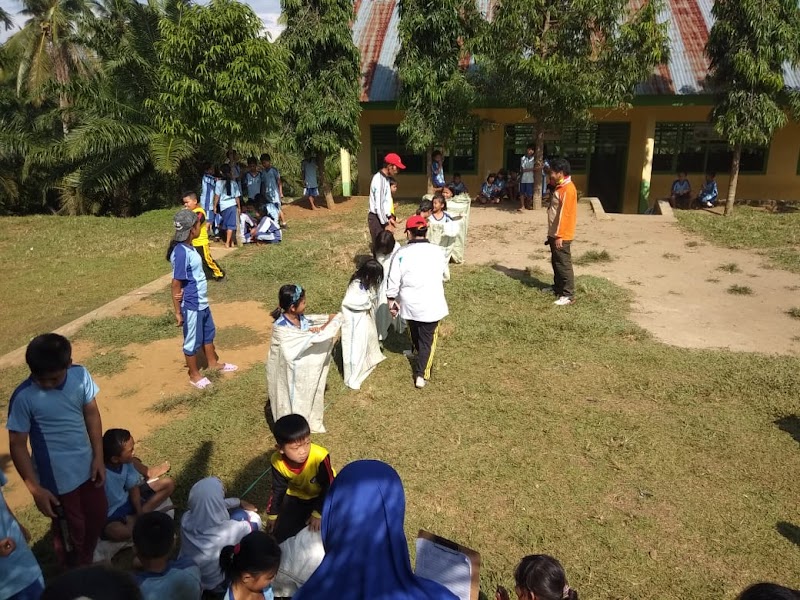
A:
375,227
423,342
294,513
85,510
563,275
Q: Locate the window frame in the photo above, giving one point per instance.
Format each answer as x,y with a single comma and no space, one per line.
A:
383,147
569,140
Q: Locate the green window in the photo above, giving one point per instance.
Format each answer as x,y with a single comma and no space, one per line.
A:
462,155
697,148
575,144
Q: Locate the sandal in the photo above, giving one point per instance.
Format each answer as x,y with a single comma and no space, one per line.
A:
201,384
228,368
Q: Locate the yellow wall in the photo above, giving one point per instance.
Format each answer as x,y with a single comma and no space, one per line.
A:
780,182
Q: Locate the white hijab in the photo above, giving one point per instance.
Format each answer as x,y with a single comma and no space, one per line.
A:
207,528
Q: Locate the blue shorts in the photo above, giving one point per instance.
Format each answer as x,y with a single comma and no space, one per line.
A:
526,189
126,510
229,218
198,329
311,192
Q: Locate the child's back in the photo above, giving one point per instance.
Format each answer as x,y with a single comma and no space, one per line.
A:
21,572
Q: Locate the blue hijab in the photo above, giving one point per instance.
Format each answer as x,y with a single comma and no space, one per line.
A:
366,553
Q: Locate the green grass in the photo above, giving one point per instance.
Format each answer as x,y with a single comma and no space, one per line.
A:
593,256
649,471
776,235
236,336
729,268
107,363
63,267
115,332
740,290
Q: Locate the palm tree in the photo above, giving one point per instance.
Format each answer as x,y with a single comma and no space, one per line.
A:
50,55
5,19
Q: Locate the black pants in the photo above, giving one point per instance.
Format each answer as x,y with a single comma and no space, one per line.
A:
294,513
423,342
563,275
375,227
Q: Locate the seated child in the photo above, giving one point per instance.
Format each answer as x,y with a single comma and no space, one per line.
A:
97,582
128,496
160,577
211,523
708,193
487,189
425,209
250,566
457,186
301,476
246,222
681,192
438,215
541,577
22,577
267,231
500,187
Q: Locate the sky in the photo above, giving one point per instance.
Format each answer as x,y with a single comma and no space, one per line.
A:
268,10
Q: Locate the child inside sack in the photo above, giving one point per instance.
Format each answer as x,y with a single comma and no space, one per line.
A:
250,567
160,577
301,477
539,577
211,523
361,349
291,310
129,496
385,249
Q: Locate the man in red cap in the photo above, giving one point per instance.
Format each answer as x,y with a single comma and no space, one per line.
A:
381,205
415,290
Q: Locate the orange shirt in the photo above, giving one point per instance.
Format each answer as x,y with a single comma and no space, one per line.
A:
563,212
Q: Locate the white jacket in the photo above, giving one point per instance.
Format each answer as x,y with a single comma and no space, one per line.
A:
415,281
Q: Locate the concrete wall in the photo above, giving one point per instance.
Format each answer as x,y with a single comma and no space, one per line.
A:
780,182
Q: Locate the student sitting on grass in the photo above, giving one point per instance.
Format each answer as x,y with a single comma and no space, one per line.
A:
301,476
160,577
267,231
190,300
250,567
500,186
708,193
487,190
128,496
210,266
457,185
246,221
22,577
211,523
540,577
56,408
681,192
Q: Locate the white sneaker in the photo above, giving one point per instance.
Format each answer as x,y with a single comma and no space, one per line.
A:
419,382
409,353
563,301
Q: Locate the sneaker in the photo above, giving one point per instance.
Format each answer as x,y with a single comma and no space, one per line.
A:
564,300
409,353
709,205
419,382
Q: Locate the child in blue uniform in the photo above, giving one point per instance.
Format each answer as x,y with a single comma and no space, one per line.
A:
708,193
22,577
250,566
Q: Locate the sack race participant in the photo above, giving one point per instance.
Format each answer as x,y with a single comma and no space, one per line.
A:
361,350
299,357
385,249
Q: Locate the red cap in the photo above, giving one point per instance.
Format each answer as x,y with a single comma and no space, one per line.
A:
416,222
394,159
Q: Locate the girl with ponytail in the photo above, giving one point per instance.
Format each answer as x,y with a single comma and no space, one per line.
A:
250,567
540,577
228,203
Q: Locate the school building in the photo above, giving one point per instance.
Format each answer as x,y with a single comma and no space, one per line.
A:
620,156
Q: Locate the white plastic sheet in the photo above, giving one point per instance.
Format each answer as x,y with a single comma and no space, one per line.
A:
361,349
300,557
297,369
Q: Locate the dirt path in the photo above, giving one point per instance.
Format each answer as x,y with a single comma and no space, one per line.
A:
680,293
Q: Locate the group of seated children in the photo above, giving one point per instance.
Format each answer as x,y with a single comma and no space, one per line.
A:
681,192
258,227
498,186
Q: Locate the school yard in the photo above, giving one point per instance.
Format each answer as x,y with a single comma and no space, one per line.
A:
614,433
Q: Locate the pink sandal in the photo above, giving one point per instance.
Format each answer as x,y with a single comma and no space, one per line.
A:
201,384
228,368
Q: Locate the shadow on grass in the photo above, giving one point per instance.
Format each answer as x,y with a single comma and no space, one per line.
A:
789,531
791,425
523,276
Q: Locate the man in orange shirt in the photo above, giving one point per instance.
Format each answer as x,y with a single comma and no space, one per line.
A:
561,218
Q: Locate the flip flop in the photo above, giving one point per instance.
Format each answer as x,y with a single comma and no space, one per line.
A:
202,384
228,368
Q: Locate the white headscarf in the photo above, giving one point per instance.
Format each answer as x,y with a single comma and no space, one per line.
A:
207,528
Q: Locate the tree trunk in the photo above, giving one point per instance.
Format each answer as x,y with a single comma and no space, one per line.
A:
737,157
428,165
538,165
323,181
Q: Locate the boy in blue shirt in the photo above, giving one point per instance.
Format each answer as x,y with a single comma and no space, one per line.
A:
308,170
128,495
209,185
190,299
22,577
681,192
274,189
437,171
254,183
161,578
708,193
56,409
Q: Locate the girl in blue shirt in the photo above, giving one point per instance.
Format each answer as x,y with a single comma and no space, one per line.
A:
227,202
250,566
291,309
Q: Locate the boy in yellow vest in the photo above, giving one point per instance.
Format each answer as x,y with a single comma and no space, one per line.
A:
301,477
210,267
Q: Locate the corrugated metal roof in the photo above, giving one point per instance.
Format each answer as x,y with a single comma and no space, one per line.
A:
375,33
